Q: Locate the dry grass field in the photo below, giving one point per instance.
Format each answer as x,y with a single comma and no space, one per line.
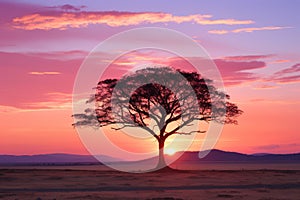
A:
50,184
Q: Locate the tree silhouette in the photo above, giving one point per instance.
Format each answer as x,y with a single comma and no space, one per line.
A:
172,99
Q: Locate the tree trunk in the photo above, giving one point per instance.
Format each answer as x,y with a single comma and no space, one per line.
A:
161,157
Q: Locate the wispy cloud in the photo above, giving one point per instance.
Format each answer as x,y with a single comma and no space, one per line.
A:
238,72
218,32
275,101
265,86
265,28
288,79
68,7
247,57
235,70
271,147
293,69
268,147
248,30
60,55
288,75
44,73
8,109
64,20
54,101
281,61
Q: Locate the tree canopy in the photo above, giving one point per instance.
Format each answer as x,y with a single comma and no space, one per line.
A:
163,95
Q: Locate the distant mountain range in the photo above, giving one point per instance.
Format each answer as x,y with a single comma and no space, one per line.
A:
225,156
48,159
187,157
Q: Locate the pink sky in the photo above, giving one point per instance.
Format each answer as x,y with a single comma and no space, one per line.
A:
42,45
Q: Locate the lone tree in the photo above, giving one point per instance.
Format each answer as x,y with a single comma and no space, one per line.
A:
165,96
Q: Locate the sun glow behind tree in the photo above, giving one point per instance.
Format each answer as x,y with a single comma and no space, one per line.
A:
153,95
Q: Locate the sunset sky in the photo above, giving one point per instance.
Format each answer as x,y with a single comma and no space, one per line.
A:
255,45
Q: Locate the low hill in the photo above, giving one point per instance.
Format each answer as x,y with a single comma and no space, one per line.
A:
214,156
52,159
224,156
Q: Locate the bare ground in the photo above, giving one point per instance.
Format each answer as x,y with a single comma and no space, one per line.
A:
50,184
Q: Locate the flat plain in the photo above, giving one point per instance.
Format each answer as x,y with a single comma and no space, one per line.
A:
58,183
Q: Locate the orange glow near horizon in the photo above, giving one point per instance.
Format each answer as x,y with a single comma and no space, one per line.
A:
170,151
42,48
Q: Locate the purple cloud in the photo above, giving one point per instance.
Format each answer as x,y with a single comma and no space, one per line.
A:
68,7
247,57
293,69
288,75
